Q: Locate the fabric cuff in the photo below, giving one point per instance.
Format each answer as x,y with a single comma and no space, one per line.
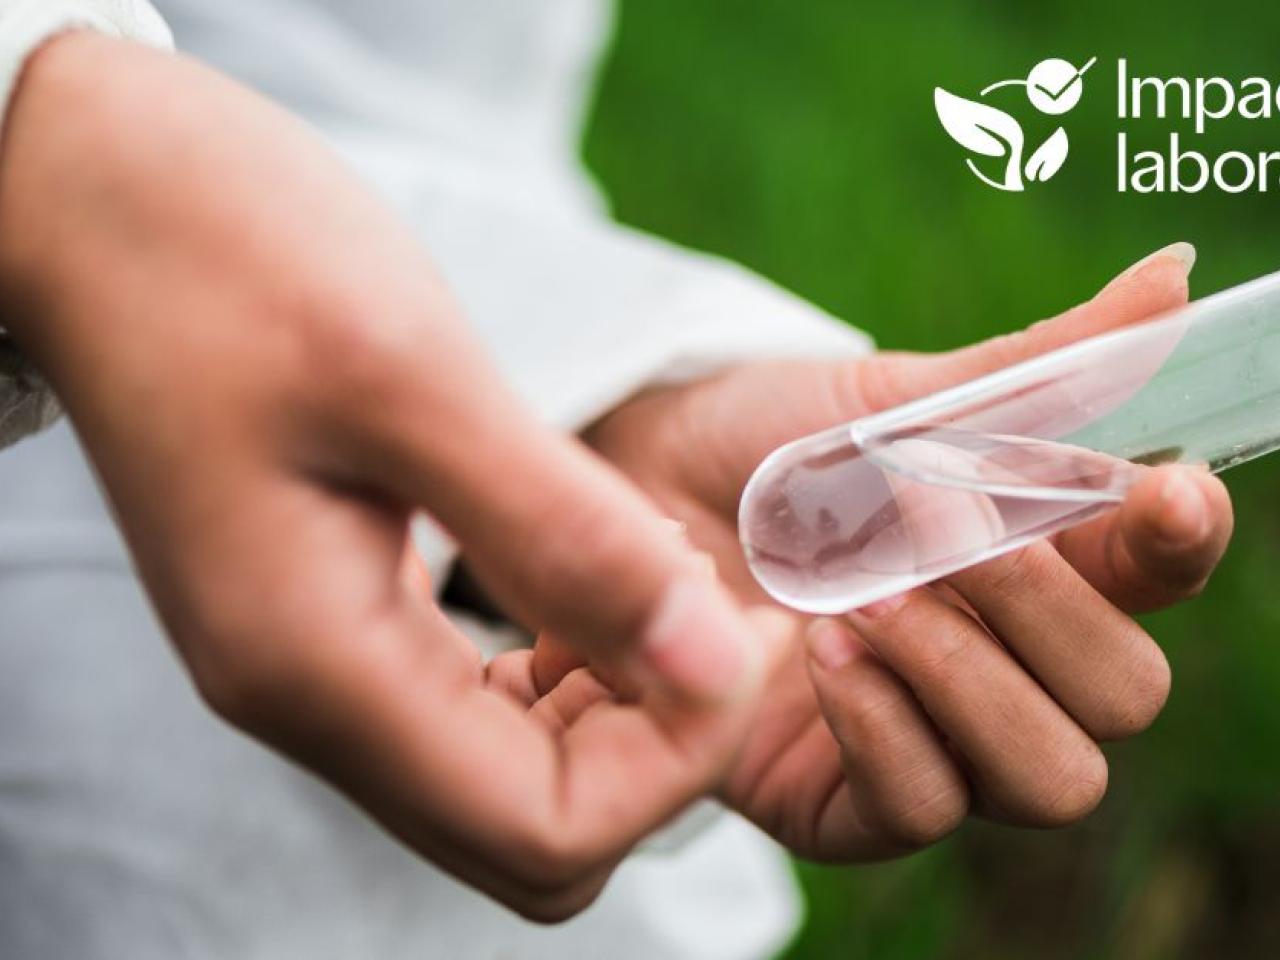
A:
25,25
731,317
27,403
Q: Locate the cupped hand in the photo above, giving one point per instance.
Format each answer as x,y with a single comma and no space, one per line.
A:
271,382
987,693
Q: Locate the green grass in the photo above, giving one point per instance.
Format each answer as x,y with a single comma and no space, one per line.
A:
799,139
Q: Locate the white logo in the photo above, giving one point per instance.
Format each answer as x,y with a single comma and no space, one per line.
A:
1053,87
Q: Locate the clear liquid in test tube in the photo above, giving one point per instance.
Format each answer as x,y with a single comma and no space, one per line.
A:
863,511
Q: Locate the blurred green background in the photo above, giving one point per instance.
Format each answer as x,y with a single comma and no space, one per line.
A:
800,139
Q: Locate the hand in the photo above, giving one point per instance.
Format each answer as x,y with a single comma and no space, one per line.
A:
987,693
270,380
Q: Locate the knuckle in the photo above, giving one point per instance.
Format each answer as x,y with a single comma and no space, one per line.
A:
857,387
882,380
352,350
937,653
353,338
1019,571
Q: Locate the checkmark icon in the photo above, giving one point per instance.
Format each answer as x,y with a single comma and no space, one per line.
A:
1053,86
1058,94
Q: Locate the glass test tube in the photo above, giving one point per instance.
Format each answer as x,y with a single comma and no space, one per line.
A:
860,512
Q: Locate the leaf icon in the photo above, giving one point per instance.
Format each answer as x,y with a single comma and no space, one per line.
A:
984,130
976,126
1048,159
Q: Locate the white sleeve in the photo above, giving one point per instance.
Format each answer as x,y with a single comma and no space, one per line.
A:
581,313
26,402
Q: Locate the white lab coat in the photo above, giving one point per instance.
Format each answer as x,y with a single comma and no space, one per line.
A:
132,824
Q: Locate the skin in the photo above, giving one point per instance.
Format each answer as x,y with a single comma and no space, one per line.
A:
988,693
271,381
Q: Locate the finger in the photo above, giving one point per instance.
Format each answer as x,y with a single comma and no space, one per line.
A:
813,396
375,691
1161,545
553,659
534,809
1031,762
560,704
512,673
558,538
538,810
592,564
1099,665
572,697
905,791
627,768
1153,285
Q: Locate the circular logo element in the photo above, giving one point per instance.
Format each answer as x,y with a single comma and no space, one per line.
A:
1054,86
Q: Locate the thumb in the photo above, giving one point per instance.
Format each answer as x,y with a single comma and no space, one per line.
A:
599,568
567,546
1153,285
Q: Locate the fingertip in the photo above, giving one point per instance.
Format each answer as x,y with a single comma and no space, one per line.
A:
699,646
1180,505
551,661
1182,515
1168,267
831,644
1150,287
1175,525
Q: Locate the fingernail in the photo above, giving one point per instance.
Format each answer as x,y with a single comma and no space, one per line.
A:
699,645
881,608
1183,252
830,644
1184,513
